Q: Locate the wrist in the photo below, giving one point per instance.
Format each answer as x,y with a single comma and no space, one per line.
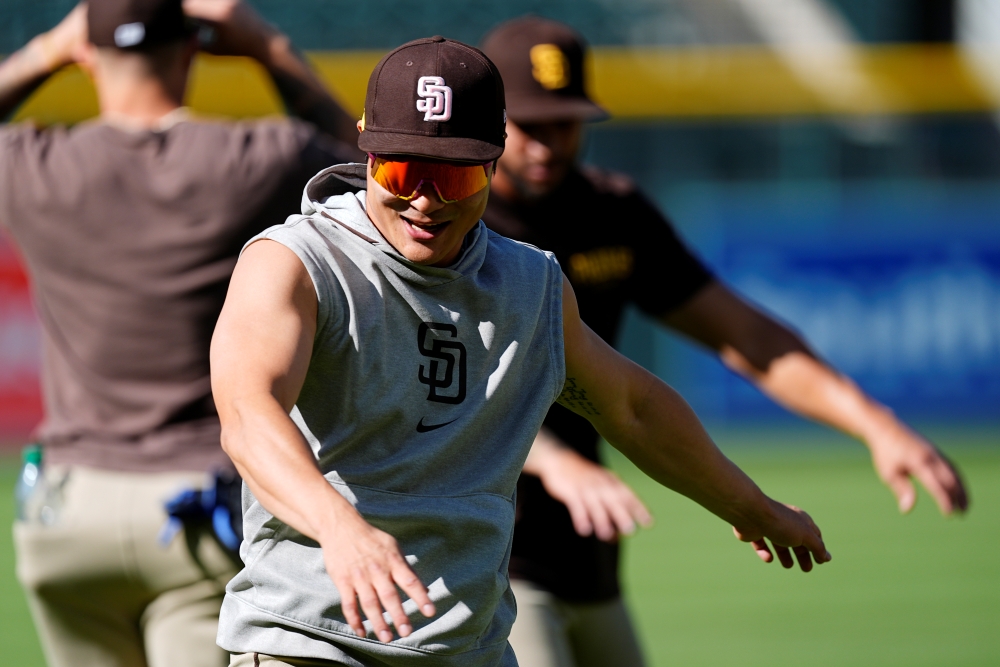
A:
340,515
43,56
753,516
879,422
545,457
275,48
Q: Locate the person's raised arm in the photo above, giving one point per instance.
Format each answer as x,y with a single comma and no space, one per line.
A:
779,362
240,31
654,427
260,355
29,67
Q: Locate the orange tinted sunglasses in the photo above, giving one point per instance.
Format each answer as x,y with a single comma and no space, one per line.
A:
451,182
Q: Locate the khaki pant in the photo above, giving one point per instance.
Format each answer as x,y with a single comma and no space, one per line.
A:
104,593
550,632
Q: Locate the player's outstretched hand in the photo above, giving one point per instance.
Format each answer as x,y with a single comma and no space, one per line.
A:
598,501
366,566
898,454
790,530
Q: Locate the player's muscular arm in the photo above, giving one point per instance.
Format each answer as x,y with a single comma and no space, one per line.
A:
652,425
260,355
240,31
780,364
28,68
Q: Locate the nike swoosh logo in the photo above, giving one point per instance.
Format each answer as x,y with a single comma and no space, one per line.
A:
423,428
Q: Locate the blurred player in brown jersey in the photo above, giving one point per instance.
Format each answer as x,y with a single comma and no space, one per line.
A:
130,226
616,248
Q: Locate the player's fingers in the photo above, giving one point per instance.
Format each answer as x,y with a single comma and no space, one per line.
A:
390,601
934,486
803,556
580,517
762,549
349,605
635,507
814,529
406,579
784,556
959,494
604,529
812,541
373,610
812,524
942,484
955,486
620,514
901,486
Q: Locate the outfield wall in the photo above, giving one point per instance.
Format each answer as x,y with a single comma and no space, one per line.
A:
898,285
633,83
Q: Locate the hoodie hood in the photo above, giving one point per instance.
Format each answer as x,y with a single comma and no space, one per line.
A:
336,197
340,179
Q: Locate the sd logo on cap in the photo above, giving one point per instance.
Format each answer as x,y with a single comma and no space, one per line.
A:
435,98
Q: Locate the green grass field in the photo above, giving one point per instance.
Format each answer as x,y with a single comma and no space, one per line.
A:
914,590
901,590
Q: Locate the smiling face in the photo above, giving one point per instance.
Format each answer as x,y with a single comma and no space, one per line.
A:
424,230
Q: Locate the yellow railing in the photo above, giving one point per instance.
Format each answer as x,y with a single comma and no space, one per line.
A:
631,83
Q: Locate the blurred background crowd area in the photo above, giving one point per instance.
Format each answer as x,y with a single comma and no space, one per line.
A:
835,160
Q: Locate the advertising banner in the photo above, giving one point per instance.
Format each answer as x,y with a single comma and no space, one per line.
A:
20,401
897,285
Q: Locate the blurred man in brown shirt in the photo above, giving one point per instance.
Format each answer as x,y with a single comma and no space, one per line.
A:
616,248
130,226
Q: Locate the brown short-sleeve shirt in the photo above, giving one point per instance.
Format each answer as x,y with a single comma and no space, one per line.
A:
129,238
615,247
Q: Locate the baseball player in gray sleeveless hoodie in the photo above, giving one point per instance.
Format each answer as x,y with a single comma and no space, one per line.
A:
381,367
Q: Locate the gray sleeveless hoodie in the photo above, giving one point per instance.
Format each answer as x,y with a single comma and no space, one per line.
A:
425,390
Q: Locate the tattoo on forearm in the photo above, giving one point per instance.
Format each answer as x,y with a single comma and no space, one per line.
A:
575,398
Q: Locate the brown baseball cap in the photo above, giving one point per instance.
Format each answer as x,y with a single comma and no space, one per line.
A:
542,66
134,24
435,98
